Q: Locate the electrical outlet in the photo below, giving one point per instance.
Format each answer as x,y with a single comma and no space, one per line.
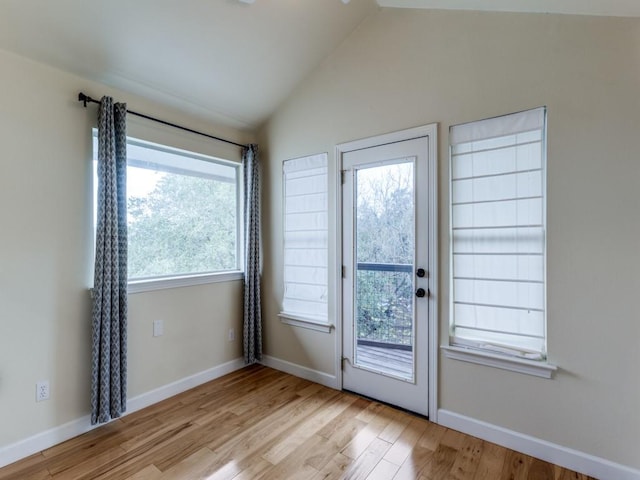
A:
231,335
42,391
158,328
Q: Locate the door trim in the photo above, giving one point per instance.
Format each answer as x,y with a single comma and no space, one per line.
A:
430,131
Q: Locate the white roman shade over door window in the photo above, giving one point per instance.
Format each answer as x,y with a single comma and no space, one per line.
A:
305,183
498,245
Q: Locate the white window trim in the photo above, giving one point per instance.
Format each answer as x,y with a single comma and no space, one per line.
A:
529,367
162,283
304,322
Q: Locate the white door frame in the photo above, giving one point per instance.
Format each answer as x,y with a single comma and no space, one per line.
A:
430,131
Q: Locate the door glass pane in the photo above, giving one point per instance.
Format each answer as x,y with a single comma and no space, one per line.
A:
384,303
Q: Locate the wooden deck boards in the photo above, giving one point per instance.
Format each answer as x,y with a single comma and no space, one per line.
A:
391,361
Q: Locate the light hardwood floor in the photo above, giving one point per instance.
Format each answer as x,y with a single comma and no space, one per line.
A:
258,423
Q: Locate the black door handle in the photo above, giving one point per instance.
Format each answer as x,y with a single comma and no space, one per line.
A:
420,292
421,272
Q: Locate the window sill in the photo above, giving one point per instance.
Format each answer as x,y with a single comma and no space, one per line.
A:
528,367
138,286
302,322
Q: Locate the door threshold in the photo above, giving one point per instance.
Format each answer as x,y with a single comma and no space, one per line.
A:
411,412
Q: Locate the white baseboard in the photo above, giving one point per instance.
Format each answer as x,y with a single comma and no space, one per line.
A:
43,440
565,457
182,385
49,438
300,371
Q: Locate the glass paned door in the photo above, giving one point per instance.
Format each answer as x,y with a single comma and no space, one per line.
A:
385,285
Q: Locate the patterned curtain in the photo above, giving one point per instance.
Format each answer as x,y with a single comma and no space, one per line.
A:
109,319
252,333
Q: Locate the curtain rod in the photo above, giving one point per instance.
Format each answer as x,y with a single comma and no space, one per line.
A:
87,99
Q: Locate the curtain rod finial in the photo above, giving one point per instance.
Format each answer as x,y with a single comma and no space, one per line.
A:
83,98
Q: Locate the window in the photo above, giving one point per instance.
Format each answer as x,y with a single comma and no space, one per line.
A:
305,183
183,213
498,245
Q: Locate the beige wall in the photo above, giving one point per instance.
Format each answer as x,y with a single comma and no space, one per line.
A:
404,68
46,249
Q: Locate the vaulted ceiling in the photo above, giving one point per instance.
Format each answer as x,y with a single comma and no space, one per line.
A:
223,60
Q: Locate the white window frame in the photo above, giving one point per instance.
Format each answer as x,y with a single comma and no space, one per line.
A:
484,352
138,285
319,322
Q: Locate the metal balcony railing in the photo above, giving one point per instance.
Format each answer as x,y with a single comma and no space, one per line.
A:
384,305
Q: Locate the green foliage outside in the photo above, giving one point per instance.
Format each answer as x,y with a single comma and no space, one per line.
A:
184,225
188,225
385,235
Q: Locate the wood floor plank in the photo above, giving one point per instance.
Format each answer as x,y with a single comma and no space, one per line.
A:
254,470
398,421
431,436
85,441
453,439
377,417
361,441
340,438
172,453
321,457
540,470
373,410
159,410
196,465
29,474
315,450
306,429
258,423
150,472
343,424
414,463
334,469
251,420
384,470
33,466
491,462
272,406
86,468
252,465
257,395
270,428
407,440
147,434
87,449
39,475
440,463
145,454
468,459
298,460
515,467
557,472
569,475
367,460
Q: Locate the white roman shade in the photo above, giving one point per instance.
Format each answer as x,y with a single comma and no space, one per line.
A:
497,233
305,183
